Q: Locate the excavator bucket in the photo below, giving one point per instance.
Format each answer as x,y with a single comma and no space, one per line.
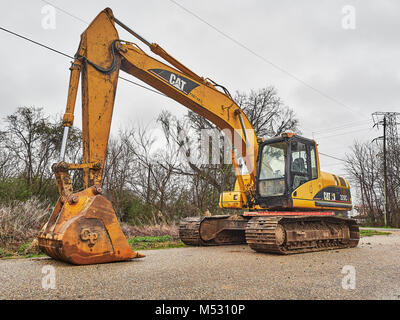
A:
85,230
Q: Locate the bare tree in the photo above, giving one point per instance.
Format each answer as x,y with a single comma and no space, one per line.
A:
156,182
269,117
365,167
140,179
147,181
265,110
30,143
8,167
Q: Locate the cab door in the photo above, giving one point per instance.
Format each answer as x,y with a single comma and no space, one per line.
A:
303,166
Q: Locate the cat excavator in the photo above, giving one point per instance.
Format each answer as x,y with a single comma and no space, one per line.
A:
286,204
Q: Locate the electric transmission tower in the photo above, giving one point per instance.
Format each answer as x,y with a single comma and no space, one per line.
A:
388,121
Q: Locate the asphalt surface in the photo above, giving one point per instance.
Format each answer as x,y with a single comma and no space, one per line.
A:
381,229
228,272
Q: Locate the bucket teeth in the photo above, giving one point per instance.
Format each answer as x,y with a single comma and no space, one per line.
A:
85,231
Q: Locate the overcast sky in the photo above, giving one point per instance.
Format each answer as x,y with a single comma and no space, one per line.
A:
334,71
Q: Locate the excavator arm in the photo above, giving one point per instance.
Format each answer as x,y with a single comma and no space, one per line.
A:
83,228
100,57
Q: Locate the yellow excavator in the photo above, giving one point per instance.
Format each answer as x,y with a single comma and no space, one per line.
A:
287,204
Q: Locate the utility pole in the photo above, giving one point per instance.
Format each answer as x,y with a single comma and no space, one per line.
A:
385,205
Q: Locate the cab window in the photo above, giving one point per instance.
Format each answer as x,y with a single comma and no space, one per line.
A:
272,170
299,164
314,172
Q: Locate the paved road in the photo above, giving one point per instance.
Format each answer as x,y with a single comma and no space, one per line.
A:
229,272
381,229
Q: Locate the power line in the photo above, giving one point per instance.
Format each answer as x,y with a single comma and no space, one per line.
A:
232,39
87,23
343,126
144,87
66,12
37,43
332,164
353,124
332,132
327,155
71,57
264,59
344,133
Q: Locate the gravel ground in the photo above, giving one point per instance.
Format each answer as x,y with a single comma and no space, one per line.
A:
229,272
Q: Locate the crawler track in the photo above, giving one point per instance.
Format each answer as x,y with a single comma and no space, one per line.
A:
288,235
213,231
189,231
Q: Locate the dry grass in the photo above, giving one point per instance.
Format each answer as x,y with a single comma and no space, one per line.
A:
20,221
153,230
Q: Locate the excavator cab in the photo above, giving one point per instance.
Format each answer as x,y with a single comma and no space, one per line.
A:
289,177
285,163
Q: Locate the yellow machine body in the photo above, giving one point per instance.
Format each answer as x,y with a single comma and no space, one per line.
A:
83,228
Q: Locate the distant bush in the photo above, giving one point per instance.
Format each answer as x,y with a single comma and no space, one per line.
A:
137,212
12,189
17,189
